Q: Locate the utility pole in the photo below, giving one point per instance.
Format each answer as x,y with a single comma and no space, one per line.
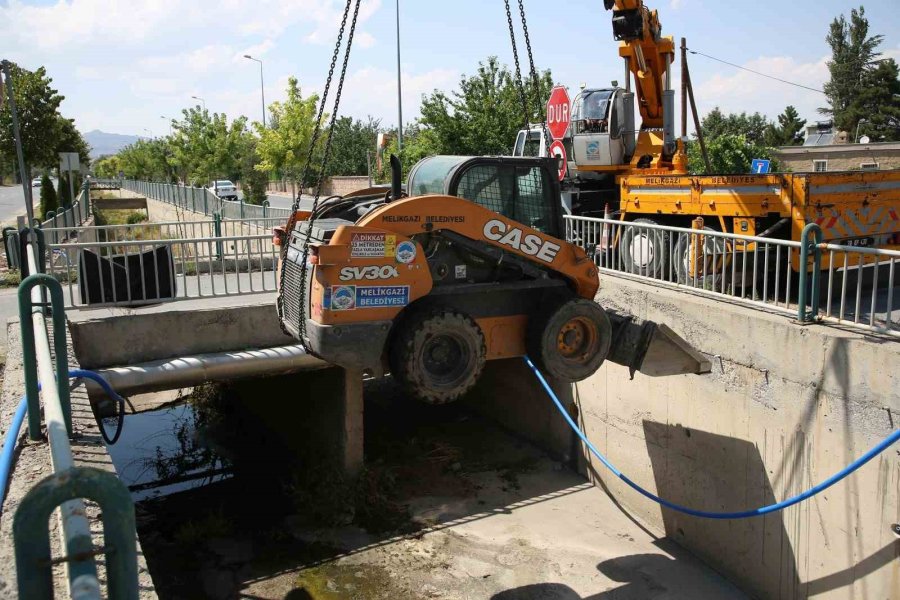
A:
399,91
23,173
262,87
201,100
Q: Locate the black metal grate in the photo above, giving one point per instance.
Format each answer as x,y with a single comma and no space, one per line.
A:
518,193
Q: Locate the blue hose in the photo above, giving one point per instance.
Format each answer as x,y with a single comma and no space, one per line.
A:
9,447
9,443
875,451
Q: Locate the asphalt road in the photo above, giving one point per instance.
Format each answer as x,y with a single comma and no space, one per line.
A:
12,202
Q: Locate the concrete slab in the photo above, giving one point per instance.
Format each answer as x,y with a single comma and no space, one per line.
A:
106,337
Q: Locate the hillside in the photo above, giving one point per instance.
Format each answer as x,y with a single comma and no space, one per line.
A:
103,143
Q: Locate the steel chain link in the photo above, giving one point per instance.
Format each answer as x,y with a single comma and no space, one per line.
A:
292,218
535,81
515,50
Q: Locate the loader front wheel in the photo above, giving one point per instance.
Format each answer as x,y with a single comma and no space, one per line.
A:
438,355
571,341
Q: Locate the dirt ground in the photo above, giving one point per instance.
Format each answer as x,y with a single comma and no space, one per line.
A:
451,506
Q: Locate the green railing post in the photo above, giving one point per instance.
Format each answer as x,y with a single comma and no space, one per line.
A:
217,230
242,208
29,358
205,203
265,206
31,536
806,281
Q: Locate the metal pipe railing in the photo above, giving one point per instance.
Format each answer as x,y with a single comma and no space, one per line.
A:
31,537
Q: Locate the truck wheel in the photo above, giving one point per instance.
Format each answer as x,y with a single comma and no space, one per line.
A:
571,341
644,251
713,255
438,355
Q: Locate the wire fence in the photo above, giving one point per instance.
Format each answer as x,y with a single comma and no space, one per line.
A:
852,286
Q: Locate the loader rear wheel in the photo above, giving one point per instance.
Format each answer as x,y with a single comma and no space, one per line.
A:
438,355
571,341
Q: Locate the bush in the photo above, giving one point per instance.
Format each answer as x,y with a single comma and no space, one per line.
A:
136,217
49,199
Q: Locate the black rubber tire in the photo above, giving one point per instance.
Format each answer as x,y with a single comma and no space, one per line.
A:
546,333
681,259
441,331
658,246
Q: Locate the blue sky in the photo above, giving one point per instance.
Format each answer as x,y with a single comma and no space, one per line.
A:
123,65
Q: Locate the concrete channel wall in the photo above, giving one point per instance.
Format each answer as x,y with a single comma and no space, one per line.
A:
785,407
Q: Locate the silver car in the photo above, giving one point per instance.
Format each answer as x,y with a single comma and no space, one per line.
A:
224,189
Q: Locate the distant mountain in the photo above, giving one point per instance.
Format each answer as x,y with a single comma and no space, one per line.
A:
103,143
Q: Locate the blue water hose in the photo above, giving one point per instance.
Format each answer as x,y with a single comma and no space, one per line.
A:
875,451
9,443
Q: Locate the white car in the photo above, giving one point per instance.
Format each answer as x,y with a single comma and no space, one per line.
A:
224,189
36,182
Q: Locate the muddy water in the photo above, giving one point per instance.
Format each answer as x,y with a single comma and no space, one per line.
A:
233,501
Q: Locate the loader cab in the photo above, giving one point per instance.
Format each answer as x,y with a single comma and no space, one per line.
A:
602,127
524,189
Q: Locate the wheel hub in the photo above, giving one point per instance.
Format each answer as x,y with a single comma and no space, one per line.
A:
444,357
642,250
576,338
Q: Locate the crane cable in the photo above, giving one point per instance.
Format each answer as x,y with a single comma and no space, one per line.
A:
292,218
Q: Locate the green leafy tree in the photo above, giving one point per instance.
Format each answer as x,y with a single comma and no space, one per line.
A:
877,106
37,104
418,142
107,167
146,160
485,113
205,146
755,128
353,138
854,54
253,181
729,154
49,199
789,130
284,145
63,193
69,139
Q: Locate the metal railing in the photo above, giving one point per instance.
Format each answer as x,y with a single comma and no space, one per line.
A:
66,488
120,267
750,270
203,201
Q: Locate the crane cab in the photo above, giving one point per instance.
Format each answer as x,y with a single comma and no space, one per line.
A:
602,128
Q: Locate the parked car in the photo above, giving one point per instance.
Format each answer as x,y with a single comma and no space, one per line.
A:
36,182
224,189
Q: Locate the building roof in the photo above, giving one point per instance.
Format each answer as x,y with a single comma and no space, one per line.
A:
876,147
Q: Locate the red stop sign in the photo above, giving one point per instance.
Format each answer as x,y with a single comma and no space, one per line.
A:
558,116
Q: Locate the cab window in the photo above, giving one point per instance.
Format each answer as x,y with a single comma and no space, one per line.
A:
522,194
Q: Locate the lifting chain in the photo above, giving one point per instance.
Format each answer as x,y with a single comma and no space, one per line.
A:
292,219
535,80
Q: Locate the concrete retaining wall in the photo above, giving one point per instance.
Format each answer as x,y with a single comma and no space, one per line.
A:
785,407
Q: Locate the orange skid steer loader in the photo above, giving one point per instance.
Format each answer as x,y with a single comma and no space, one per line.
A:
469,267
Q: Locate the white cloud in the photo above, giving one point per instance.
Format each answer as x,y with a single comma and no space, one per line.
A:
373,91
676,4
734,90
256,51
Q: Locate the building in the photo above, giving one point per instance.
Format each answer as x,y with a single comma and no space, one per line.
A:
829,150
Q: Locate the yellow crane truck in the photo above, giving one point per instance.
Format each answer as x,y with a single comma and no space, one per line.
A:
645,180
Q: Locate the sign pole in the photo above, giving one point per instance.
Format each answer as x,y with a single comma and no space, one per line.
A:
25,175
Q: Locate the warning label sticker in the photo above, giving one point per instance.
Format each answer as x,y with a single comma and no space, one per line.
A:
373,245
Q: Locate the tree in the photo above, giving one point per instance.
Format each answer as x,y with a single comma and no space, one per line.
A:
146,159
789,131
37,105
352,140
253,181
418,142
755,128
206,146
283,147
853,56
485,113
69,139
107,167
728,154
49,199
877,106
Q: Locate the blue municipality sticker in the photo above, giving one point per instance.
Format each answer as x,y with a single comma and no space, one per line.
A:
378,296
593,150
343,297
406,252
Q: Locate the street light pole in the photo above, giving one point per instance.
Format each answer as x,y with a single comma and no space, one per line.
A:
262,87
201,100
399,92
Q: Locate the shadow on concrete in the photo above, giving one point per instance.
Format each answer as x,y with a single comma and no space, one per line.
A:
697,469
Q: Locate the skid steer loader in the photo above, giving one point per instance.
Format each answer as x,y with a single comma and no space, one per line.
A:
469,265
